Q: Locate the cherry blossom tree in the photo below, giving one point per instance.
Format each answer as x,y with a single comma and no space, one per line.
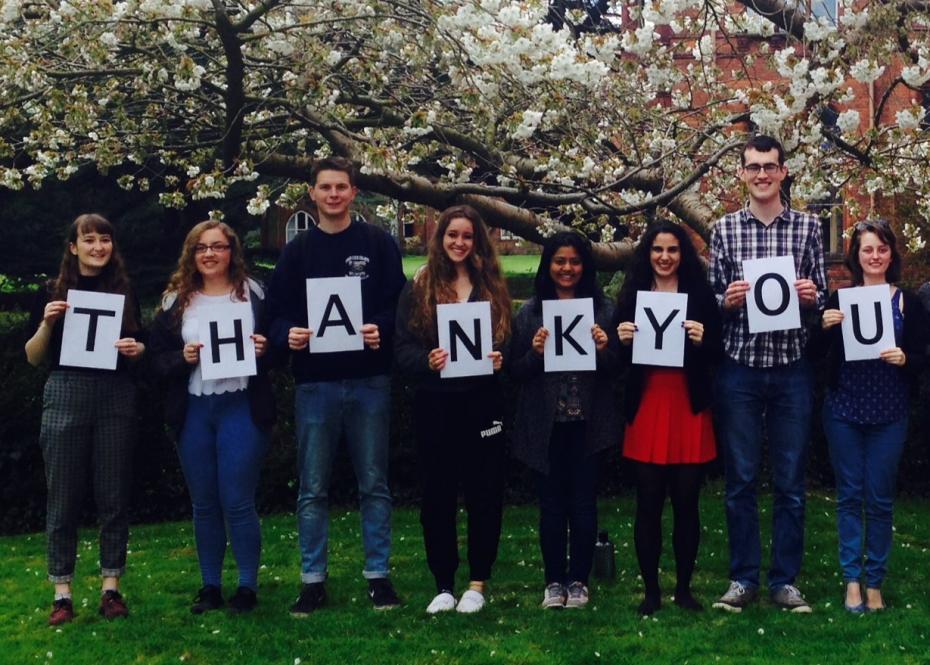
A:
541,114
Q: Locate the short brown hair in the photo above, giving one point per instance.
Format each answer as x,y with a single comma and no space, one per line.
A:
333,164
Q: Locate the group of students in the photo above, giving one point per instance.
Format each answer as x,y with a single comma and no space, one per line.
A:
565,422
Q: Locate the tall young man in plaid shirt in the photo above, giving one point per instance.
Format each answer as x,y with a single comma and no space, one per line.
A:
765,384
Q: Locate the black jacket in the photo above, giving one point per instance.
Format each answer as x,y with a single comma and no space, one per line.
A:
702,307
539,392
165,351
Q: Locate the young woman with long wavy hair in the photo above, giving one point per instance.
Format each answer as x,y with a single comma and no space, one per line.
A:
88,417
222,425
459,424
669,434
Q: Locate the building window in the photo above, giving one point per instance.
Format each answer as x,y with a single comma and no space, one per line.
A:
831,224
299,222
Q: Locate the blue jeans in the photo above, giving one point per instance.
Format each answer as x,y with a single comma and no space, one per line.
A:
776,400
324,412
221,451
865,463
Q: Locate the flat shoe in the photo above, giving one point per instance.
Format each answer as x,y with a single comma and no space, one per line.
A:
856,609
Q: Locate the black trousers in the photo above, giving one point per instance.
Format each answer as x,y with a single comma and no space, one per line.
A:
460,442
568,506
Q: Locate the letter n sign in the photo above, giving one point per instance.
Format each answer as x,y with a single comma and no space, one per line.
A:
90,329
570,346
226,334
334,314
464,331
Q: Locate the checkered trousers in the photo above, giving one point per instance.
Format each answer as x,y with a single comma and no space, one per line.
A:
87,424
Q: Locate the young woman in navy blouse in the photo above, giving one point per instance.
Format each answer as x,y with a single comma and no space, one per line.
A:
865,415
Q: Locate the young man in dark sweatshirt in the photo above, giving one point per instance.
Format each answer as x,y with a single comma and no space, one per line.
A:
342,395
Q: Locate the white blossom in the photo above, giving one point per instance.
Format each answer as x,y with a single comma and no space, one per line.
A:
848,121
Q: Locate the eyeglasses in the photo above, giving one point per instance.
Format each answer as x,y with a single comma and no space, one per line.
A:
771,168
216,248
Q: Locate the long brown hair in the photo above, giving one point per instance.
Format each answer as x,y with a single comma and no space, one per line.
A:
433,284
187,280
113,277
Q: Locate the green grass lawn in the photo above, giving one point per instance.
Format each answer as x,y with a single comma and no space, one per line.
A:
512,264
162,577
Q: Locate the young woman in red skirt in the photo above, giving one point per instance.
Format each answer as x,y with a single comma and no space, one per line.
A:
669,435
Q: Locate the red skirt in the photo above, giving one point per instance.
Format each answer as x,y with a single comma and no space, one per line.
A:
665,431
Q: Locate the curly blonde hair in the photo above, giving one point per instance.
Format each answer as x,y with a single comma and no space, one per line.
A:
433,284
187,280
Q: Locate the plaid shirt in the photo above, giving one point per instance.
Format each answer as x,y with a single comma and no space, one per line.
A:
740,236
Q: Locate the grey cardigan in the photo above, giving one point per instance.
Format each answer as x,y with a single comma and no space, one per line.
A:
536,403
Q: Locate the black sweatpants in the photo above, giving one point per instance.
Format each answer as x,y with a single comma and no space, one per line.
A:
460,443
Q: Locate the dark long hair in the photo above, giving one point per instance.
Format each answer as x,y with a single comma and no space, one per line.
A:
639,277
433,284
882,229
587,285
113,277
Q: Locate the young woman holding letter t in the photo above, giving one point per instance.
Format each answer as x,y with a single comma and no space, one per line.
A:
865,414
669,434
87,418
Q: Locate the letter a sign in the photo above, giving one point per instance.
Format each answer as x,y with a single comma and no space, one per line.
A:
334,314
868,327
465,333
226,334
772,302
659,338
569,346
91,328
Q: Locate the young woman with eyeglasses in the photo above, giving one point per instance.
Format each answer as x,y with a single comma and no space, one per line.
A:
865,415
88,418
222,425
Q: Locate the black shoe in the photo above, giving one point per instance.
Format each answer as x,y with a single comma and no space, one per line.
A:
244,600
382,594
208,598
312,597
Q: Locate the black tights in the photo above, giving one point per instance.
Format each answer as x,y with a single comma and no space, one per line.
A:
682,482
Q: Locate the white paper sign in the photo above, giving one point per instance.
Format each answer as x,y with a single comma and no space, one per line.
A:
465,332
570,346
334,314
91,328
228,348
772,301
659,338
868,327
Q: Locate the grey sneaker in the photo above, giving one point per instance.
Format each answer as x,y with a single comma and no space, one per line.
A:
554,596
736,598
789,598
577,595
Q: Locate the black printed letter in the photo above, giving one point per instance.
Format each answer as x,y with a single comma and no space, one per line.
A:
785,298
343,320
660,329
857,325
92,326
566,335
237,339
457,333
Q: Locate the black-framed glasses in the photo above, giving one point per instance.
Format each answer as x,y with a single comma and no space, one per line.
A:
770,168
216,248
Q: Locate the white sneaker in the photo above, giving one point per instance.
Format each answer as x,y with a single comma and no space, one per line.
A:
471,601
443,602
